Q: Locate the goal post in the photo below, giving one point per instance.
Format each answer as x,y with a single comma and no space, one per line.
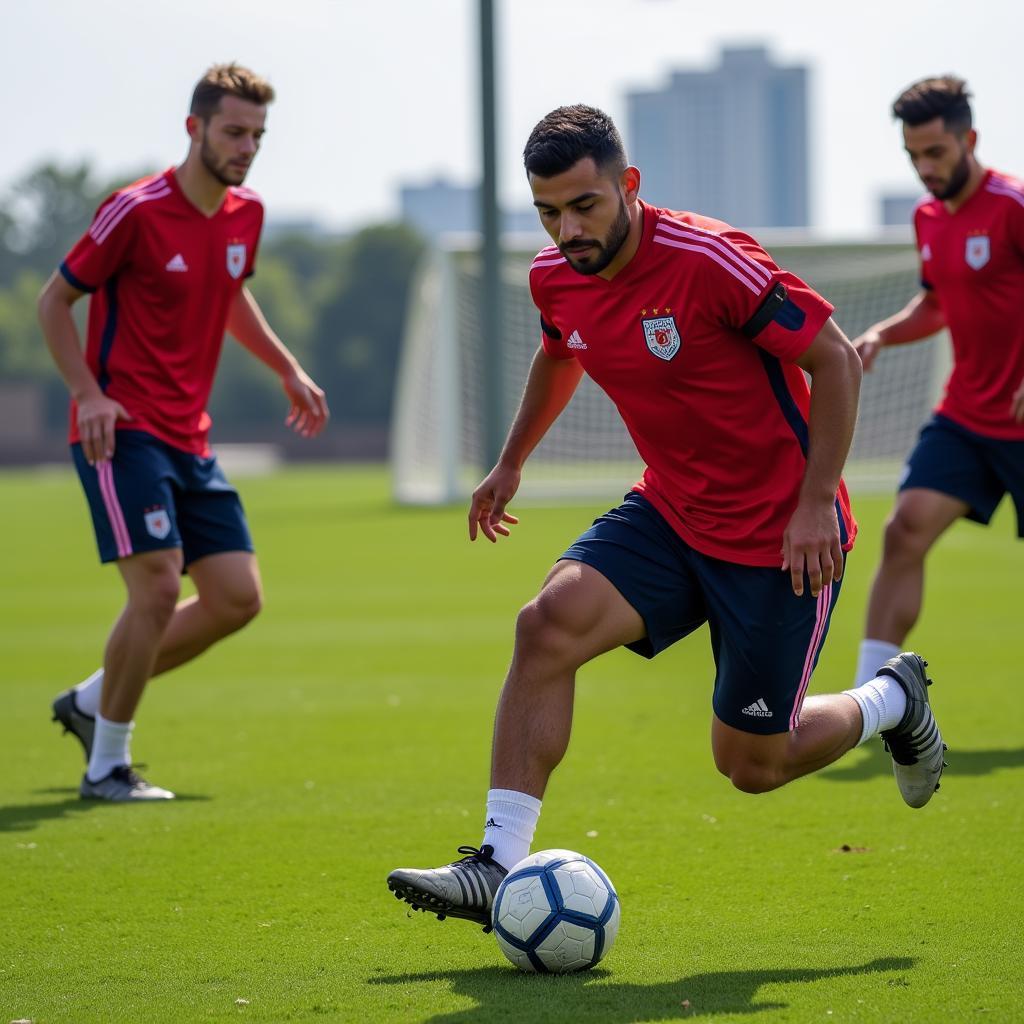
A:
437,438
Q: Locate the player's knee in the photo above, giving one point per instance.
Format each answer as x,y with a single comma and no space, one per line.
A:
159,594
751,776
541,633
239,607
904,536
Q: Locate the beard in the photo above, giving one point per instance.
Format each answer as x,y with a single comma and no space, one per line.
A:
221,170
603,252
957,180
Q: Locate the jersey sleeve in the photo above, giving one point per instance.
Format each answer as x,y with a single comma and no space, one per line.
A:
750,293
104,249
551,339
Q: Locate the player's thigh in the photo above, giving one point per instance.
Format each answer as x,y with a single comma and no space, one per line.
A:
131,497
211,518
577,615
643,562
952,465
766,642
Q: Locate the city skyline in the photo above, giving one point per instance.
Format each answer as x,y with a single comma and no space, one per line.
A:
694,140
371,98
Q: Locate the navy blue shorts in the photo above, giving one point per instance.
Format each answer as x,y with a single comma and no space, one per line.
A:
978,470
152,496
765,639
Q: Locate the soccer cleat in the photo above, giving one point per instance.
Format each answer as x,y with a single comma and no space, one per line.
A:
915,744
122,785
80,725
465,888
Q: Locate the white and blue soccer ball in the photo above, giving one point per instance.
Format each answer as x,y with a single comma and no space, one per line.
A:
556,911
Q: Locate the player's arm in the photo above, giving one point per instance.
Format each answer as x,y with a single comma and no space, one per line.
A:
308,412
920,318
549,386
811,541
97,414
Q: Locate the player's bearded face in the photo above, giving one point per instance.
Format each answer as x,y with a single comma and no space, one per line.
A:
228,168
592,255
950,186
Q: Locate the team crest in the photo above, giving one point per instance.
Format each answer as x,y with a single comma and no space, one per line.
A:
977,252
158,522
236,259
662,336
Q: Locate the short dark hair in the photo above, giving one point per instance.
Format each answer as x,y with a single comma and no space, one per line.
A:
228,80
570,134
946,97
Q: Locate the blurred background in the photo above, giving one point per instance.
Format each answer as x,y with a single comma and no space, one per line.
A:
771,116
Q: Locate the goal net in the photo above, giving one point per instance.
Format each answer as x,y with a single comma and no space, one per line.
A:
438,428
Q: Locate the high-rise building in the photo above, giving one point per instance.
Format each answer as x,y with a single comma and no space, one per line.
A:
441,206
729,143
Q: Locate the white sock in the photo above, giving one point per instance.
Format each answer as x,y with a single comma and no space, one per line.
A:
87,694
882,702
111,746
873,655
511,822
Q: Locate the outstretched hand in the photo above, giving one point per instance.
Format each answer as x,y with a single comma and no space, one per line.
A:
308,413
487,509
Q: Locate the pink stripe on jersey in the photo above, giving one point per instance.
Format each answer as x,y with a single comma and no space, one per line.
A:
1001,188
121,536
547,263
101,236
824,603
247,193
104,217
702,248
736,255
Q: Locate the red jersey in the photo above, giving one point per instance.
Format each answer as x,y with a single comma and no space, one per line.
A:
974,261
694,341
164,275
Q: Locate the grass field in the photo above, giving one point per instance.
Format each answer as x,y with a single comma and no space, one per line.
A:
347,731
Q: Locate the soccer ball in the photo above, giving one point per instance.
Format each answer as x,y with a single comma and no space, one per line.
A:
556,912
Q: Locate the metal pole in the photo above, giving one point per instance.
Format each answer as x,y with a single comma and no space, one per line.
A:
494,424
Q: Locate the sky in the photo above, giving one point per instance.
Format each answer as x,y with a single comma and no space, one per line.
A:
373,95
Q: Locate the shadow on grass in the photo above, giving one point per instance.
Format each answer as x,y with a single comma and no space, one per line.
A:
874,762
576,997
21,817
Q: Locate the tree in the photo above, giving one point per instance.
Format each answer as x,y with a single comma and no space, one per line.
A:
358,338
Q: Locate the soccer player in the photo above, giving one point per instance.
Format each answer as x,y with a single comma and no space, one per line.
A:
165,261
741,519
970,238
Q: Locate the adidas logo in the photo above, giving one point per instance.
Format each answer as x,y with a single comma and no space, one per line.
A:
177,264
758,709
575,341
491,823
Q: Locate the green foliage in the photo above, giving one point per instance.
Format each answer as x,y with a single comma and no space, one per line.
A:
339,304
358,335
346,732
